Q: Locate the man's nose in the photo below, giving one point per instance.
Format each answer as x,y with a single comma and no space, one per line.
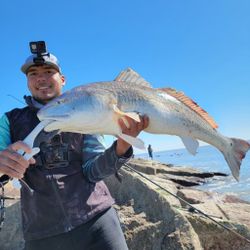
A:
41,77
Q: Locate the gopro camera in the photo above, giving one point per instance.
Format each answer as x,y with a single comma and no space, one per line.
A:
39,49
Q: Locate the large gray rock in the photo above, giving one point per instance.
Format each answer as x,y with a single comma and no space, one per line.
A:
152,219
148,219
182,229
11,237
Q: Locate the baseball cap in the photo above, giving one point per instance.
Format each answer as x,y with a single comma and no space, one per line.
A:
48,59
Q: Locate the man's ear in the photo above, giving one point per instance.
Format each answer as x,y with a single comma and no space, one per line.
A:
63,80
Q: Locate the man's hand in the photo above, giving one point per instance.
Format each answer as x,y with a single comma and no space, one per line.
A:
12,163
133,129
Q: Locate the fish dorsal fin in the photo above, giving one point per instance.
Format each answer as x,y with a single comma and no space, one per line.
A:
129,75
191,104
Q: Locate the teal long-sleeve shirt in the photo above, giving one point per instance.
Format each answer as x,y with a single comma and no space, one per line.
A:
4,132
98,163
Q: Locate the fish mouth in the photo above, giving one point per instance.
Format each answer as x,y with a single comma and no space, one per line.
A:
53,117
52,126
54,122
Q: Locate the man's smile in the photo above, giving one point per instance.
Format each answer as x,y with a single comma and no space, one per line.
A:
42,88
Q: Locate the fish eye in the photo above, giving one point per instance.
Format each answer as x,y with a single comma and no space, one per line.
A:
61,101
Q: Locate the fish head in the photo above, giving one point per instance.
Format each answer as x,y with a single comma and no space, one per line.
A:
65,111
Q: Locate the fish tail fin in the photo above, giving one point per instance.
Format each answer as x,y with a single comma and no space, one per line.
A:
234,156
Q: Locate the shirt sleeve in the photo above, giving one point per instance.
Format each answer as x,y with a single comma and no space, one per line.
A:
99,161
5,140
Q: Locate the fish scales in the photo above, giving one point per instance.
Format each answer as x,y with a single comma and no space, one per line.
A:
95,109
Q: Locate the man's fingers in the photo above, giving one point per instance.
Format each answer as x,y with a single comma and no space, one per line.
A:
142,124
145,121
11,170
126,121
133,127
20,145
11,162
32,161
15,159
133,130
122,124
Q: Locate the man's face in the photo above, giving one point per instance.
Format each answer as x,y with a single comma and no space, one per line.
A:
44,82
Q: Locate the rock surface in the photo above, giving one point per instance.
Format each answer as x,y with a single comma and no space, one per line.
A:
152,219
11,237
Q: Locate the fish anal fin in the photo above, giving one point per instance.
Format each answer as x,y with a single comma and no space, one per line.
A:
191,104
129,75
190,144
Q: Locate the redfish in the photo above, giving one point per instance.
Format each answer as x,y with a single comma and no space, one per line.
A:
95,109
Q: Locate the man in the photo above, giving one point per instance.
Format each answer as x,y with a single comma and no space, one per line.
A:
71,207
150,151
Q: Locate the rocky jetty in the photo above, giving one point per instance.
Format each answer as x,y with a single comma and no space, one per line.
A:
153,219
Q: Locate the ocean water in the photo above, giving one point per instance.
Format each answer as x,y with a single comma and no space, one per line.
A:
209,159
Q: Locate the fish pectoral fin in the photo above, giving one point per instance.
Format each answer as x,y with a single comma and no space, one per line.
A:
190,144
132,115
134,141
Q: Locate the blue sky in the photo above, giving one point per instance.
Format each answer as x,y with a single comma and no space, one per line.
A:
199,47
